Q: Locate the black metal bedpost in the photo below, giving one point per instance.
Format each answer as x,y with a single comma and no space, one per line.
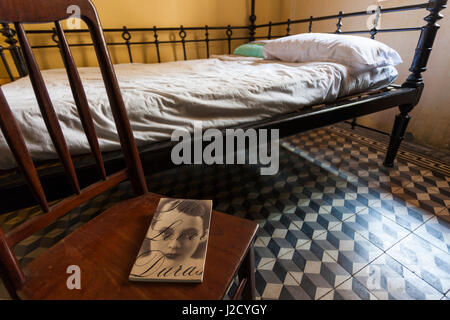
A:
126,35
182,35
415,80
339,24
229,33
5,63
310,24
252,26
376,21
207,41
14,49
425,44
155,35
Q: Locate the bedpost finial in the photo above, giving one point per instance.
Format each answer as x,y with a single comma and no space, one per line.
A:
14,49
435,7
9,34
425,44
439,4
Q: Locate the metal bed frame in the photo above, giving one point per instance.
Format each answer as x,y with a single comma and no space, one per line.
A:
156,156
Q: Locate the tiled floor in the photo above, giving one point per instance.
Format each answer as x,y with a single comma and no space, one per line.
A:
334,223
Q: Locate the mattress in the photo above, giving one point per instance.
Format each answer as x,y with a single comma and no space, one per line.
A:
160,98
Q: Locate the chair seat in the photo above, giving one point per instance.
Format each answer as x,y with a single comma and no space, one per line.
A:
106,247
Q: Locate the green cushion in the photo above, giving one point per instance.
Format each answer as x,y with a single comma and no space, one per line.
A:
250,50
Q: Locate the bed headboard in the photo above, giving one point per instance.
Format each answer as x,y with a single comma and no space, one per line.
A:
262,31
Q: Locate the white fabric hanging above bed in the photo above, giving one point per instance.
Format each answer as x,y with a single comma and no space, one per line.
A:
220,91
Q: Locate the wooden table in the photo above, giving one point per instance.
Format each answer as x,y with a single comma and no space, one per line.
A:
105,249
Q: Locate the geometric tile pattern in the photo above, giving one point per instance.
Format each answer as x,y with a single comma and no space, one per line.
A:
350,249
433,159
404,214
376,228
334,223
305,273
437,232
386,278
425,260
351,289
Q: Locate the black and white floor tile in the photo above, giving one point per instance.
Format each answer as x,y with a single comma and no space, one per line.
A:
351,289
425,260
334,223
386,278
437,232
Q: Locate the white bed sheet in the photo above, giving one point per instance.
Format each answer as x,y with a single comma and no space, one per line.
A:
220,91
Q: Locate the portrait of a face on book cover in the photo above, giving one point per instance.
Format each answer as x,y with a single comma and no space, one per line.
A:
174,248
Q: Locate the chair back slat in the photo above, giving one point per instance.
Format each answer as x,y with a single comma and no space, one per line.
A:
48,113
40,11
131,154
80,99
16,143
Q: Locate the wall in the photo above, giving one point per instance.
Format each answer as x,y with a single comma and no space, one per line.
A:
161,13
430,123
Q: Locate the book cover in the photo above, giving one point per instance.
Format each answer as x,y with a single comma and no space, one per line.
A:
174,248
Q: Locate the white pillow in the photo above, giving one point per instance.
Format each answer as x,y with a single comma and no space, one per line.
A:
359,53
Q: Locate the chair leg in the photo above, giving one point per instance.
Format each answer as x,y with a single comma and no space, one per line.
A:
247,271
398,132
353,123
8,284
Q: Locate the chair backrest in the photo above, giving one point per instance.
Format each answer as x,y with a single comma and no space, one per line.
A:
20,12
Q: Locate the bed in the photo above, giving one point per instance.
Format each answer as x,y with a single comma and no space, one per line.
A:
219,92
239,93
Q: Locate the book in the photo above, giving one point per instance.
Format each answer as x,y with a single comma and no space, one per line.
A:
174,248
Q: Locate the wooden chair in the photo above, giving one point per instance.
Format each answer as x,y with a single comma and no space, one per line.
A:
104,248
